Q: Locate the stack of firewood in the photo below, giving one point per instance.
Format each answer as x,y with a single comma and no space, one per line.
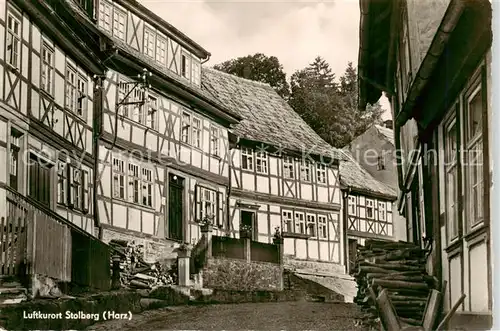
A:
136,273
398,267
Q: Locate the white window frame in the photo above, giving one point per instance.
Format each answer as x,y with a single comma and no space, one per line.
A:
147,186
13,40
196,131
185,66
261,161
118,169
123,89
195,72
149,42
81,96
288,167
186,128
322,227
305,171
161,50
321,173
208,202
247,155
351,205
451,171
133,182
119,23
71,88
382,211
47,70
214,140
287,221
311,225
474,176
300,223
152,112
105,11
381,162
370,206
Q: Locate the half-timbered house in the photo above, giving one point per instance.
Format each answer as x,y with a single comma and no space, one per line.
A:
433,60
163,150
283,175
46,102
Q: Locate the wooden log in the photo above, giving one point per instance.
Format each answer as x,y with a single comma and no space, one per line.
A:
450,314
139,284
399,284
390,267
387,313
431,311
412,279
372,269
403,254
411,321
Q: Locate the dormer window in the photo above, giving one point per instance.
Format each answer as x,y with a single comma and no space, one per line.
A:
119,19
380,163
305,171
105,15
149,43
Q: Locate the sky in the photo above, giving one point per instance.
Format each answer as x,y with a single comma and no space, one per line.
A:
295,31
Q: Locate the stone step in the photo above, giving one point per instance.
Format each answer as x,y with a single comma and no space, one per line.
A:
9,299
12,290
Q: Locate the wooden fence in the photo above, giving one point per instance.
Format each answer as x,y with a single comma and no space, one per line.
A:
36,240
262,252
228,247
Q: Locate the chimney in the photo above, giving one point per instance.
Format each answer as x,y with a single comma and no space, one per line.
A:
388,124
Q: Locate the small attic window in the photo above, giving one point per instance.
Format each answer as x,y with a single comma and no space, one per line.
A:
380,163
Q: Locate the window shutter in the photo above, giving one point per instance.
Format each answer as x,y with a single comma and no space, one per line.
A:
197,199
220,213
85,191
70,194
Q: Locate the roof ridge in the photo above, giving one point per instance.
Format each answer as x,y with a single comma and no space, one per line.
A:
256,82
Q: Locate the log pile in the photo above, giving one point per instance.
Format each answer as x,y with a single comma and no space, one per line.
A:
137,273
398,267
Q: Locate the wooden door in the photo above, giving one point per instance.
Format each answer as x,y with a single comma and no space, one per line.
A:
175,207
247,220
353,246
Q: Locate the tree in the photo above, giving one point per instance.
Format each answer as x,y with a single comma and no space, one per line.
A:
258,67
328,107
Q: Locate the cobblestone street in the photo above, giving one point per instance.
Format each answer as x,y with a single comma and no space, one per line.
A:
249,316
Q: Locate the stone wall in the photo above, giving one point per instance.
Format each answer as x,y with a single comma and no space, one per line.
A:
155,249
233,274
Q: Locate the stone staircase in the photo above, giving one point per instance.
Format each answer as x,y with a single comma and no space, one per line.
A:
11,290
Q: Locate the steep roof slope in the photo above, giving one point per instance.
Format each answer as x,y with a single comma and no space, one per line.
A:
267,118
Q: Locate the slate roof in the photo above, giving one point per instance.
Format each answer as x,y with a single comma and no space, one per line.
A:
387,133
267,118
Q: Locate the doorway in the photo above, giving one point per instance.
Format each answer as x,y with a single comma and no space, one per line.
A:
175,207
247,223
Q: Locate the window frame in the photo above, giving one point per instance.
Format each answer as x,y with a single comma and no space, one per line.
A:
149,32
351,202
119,13
382,211
212,193
372,208
15,140
103,5
118,192
185,71
306,171
299,222
13,61
451,169
214,141
47,49
261,162
159,50
186,129
288,167
152,112
248,155
195,72
71,88
321,173
322,227
311,220
196,132
287,221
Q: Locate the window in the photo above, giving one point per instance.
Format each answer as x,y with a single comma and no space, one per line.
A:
149,43
352,205
133,183
119,19
185,130
138,114
311,225
322,230
300,226
214,141
71,89
81,103
13,40
123,91
247,159
405,56
195,75
62,183
105,15
76,188
288,170
261,162
118,179
161,53
381,211
15,148
380,163
451,178
185,66
305,171
321,173
152,111
208,199
369,208
147,187
39,183
287,221
47,69
474,165
196,132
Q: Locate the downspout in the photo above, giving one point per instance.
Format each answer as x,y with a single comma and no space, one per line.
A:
96,135
207,59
